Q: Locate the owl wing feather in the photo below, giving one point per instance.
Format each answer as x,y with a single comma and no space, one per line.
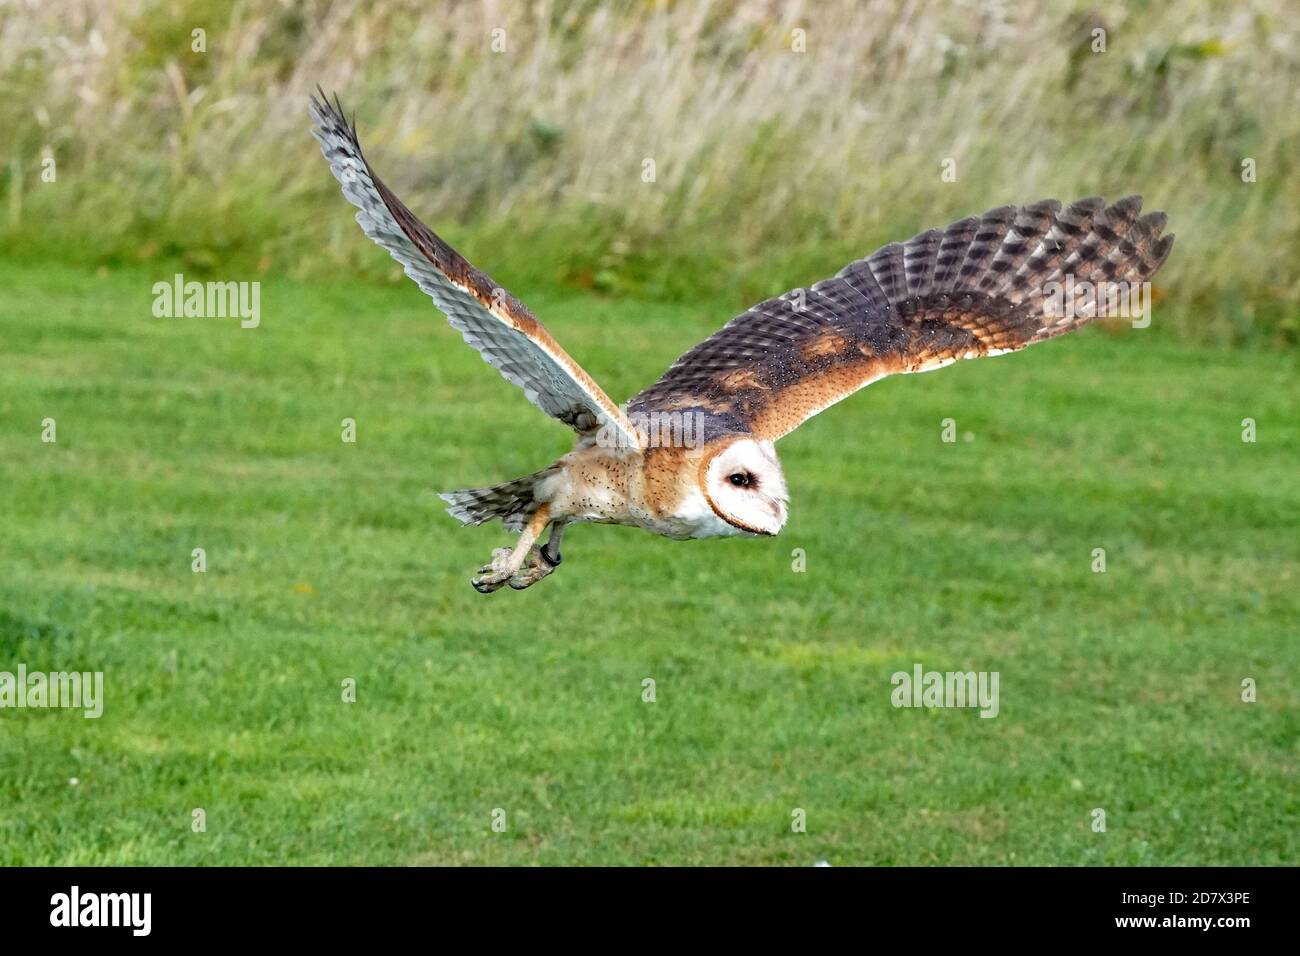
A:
489,318
983,286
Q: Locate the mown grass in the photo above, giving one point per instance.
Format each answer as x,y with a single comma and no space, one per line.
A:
329,561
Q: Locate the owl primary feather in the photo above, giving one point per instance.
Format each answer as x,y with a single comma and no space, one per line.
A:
693,455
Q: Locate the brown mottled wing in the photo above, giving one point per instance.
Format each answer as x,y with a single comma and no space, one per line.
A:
983,286
491,320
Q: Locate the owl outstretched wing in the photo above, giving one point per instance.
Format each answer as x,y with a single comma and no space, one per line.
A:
493,321
983,286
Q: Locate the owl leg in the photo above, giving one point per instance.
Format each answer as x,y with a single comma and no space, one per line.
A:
551,550
507,561
541,561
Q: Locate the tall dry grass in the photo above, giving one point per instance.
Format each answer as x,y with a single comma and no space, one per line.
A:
771,166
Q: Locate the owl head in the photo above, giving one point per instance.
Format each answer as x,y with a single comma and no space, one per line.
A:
742,482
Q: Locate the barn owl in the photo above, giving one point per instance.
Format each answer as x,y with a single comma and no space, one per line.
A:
693,455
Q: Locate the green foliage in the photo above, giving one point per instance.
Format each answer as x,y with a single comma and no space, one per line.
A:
766,159
329,561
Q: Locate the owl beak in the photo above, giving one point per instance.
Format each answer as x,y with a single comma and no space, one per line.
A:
779,514
777,509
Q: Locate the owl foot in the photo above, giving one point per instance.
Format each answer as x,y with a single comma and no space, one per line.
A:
525,564
537,566
492,577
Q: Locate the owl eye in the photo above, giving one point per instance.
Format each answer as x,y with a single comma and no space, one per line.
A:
741,479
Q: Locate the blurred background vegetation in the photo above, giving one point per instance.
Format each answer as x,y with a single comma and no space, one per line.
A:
772,166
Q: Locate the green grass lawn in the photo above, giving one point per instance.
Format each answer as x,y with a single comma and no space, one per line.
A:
328,561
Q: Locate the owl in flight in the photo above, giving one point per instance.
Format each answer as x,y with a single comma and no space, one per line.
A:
692,456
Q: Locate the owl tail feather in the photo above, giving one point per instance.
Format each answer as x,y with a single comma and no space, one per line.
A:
513,502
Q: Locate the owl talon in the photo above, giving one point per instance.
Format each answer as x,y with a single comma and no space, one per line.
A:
488,583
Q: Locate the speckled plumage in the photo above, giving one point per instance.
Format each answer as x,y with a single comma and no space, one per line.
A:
980,287
973,289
